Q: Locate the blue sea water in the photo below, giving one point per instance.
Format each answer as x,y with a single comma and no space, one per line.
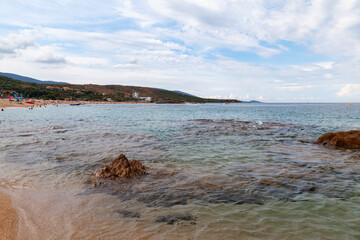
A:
239,170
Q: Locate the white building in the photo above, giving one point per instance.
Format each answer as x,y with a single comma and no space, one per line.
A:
146,99
143,99
136,95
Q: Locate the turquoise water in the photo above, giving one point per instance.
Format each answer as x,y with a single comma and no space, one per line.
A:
240,171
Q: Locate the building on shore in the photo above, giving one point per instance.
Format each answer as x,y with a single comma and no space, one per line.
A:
136,95
143,99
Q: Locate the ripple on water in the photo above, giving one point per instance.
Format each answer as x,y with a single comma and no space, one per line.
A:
237,179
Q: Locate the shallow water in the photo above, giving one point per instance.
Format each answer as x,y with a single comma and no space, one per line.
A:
237,171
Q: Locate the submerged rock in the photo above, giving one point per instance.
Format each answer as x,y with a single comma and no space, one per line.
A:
350,139
121,167
178,217
128,214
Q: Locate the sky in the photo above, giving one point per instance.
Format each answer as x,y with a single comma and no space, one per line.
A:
267,50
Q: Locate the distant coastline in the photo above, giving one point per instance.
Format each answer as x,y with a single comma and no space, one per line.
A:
5,103
10,88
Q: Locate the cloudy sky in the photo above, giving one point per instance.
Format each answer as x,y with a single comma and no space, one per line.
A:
270,50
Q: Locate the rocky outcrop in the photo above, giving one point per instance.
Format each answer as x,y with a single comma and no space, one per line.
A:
350,139
121,167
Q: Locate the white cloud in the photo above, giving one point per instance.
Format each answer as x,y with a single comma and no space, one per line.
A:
328,27
246,97
125,66
328,75
131,63
132,60
87,61
180,44
306,68
349,91
325,65
49,57
295,87
127,9
14,42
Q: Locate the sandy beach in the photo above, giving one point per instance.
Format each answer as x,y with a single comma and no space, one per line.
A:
5,103
8,218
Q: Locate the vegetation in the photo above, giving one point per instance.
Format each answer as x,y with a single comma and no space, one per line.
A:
87,92
10,86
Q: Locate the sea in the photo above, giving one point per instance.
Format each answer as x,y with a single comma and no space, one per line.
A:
215,171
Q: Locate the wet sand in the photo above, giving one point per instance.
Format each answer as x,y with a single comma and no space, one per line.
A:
8,218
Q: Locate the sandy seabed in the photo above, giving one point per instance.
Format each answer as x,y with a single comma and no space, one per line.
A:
8,218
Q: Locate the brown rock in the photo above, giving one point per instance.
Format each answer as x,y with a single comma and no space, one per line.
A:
121,167
350,139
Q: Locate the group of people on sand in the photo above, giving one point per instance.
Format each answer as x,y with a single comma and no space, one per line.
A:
32,107
7,104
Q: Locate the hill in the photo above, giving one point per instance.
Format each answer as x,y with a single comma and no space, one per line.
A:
95,92
28,79
184,93
252,101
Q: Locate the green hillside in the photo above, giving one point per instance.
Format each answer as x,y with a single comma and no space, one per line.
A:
94,92
43,91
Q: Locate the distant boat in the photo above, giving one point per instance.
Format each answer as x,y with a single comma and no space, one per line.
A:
75,104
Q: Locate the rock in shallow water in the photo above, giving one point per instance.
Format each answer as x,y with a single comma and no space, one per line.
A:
178,217
128,214
121,167
350,139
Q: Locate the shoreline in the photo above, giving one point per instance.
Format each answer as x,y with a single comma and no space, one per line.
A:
5,103
9,224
